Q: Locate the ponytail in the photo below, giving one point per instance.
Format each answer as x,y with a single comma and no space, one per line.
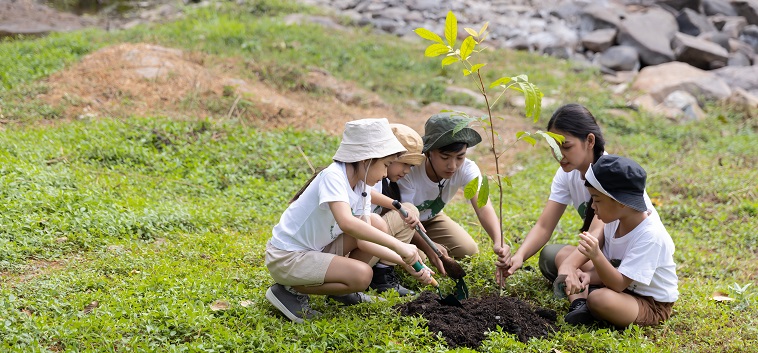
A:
577,121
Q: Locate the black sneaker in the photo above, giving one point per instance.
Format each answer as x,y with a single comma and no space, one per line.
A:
385,279
295,306
579,313
354,298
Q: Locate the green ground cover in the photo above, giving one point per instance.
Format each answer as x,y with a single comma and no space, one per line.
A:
125,235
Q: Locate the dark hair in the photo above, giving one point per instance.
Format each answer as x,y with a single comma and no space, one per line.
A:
577,121
453,147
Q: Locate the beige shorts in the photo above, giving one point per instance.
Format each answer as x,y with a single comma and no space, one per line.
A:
446,232
301,268
651,312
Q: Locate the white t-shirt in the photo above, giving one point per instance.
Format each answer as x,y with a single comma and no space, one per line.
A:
568,189
646,256
418,189
308,223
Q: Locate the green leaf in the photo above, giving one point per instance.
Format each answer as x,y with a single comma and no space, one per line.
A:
436,50
500,81
484,28
428,35
449,60
470,190
471,31
484,192
467,47
451,29
529,139
476,67
558,137
458,127
553,144
507,181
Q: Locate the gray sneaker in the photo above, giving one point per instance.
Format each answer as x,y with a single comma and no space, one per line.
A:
295,306
354,298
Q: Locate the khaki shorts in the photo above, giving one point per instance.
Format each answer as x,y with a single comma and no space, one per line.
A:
444,231
301,268
651,312
399,229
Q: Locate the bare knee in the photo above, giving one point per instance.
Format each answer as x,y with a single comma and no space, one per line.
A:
378,223
361,278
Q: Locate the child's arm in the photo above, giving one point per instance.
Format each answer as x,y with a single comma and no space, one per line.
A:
382,200
609,275
424,276
364,231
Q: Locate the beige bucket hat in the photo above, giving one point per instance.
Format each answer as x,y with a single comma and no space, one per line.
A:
366,139
411,140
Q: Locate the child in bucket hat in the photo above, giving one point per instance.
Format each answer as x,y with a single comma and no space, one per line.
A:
385,214
306,253
431,185
633,261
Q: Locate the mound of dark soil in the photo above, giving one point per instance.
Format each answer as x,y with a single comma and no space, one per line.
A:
466,326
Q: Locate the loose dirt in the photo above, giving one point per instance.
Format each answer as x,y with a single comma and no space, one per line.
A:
467,326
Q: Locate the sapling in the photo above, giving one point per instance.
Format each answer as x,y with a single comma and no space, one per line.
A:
464,55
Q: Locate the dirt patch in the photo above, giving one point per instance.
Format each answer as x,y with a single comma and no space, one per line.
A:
466,326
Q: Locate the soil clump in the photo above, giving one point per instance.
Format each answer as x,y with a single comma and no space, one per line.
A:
467,326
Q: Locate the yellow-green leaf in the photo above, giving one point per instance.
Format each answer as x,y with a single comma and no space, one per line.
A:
484,192
449,60
436,50
470,190
553,144
529,139
484,28
507,181
500,81
451,29
428,35
558,137
467,47
471,31
476,67
466,72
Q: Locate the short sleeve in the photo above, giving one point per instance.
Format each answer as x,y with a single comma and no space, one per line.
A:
559,189
332,188
470,171
640,262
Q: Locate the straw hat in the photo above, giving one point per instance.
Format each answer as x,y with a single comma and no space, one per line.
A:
411,140
366,139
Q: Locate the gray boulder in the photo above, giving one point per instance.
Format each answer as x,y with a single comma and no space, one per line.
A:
650,33
698,52
747,9
660,80
718,7
693,23
619,58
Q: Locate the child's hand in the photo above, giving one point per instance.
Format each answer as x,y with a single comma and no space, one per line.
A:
409,253
506,266
412,221
576,282
424,276
588,246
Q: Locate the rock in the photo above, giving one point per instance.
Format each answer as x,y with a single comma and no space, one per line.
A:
730,25
718,7
686,105
620,58
747,9
681,4
650,33
698,52
599,40
660,80
738,59
739,77
693,23
596,16
749,36
744,99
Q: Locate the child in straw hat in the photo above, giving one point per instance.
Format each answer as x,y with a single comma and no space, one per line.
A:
389,219
306,253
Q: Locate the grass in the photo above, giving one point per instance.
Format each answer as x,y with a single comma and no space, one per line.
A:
121,235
